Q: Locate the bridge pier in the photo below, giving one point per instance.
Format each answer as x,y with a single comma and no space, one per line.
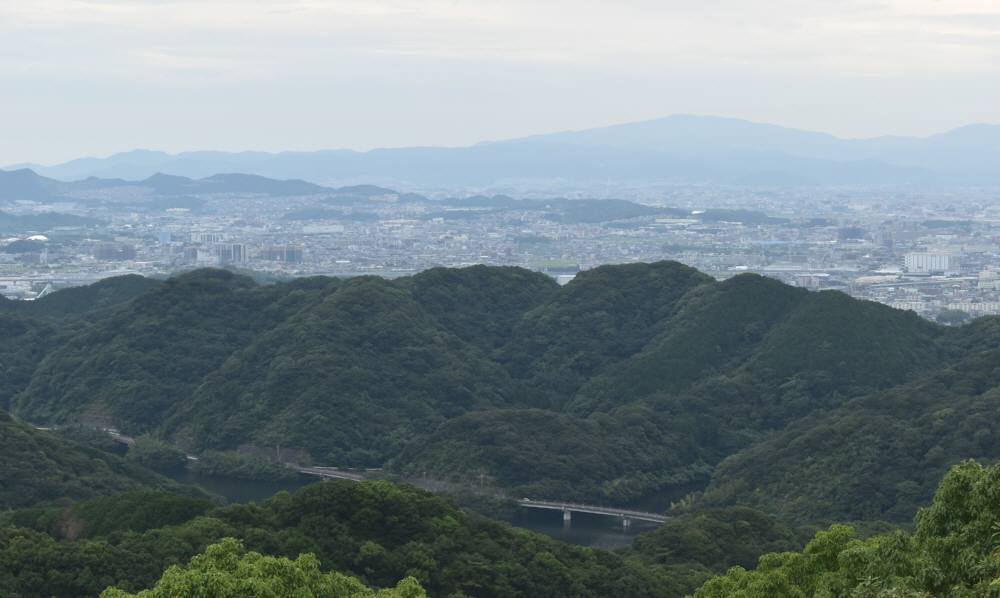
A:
626,516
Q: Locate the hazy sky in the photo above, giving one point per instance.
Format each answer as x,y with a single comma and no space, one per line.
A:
91,77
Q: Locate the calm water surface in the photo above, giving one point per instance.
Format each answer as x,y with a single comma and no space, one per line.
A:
596,531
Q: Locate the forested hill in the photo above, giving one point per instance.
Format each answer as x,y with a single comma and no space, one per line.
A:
382,532
375,530
39,468
952,553
629,382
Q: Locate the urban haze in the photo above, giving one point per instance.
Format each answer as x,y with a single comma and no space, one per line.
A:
499,299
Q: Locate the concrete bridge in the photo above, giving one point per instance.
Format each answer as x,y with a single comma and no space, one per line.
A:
329,473
626,515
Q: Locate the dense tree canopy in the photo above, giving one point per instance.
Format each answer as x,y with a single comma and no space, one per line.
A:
693,547
381,533
377,531
226,571
877,457
156,455
769,409
38,468
954,552
629,382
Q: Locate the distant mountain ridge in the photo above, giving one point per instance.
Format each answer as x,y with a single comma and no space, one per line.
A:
681,148
166,191
43,221
26,184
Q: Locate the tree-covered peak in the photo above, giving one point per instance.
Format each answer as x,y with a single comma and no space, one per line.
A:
39,468
666,373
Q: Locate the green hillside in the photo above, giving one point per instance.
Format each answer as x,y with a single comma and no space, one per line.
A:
761,410
631,383
104,294
350,379
26,341
715,327
39,468
101,295
619,457
377,531
603,316
33,329
380,533
693,548
877,457
734,362
952,553
131,366
480,305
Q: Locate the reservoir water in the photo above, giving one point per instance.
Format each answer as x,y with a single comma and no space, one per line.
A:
585,529
596,531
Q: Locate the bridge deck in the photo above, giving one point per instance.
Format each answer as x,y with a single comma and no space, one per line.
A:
334,473
594,509
330,472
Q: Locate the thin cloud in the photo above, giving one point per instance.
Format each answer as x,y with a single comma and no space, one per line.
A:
390,72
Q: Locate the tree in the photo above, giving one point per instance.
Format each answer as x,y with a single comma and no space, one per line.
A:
953,317
225,570
156,455
954,552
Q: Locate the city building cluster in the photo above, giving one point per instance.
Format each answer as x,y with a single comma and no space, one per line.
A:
934,252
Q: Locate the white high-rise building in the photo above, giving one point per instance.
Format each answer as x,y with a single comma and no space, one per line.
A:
927,262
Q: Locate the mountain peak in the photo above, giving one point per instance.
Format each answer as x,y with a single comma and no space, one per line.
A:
681,148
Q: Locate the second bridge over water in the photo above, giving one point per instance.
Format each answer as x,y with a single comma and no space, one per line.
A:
567,508
626,515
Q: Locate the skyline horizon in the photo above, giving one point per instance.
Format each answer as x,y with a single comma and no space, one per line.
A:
172,152
95,77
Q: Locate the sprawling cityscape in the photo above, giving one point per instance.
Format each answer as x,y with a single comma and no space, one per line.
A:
931,251
499,299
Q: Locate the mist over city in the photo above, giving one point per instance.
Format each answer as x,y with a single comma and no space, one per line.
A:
910,222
